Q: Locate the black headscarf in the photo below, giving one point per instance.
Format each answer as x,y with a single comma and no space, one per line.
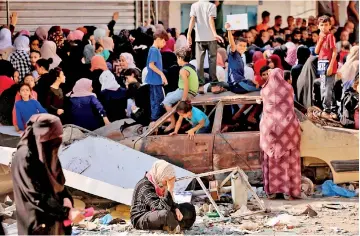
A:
281,52
303,53
305,88
38,178
6,68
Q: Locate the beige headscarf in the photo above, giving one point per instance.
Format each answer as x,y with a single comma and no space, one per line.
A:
351,67
160,171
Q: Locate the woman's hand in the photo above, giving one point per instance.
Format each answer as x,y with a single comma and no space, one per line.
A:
171,185
75,215
179,215
67,203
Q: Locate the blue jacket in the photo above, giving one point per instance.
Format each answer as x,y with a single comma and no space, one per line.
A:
87,112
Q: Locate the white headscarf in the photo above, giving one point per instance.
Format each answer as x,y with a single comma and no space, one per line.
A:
108,81
48,50
161,170
21,43
5,38
351,67
129,59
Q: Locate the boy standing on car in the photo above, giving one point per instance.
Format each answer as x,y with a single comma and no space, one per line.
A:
327,66
155,76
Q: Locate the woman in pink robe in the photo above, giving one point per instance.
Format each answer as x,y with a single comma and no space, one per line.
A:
280,138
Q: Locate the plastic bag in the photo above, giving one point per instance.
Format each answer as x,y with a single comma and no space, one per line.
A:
330,189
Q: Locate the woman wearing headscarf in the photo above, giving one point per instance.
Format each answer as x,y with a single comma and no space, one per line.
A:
305,83
42,201
180,42
6,74
126,62
20,58
44,82
42,34
75,35
275,62
351,67
281,52
257,56
98,66
99,34
280,138
48,50
303,53
291,53
85,109
260,63
112,96
57,36
89,53
153,207
6,47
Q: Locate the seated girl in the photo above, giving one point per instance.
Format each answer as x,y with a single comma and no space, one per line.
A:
26,107
153,206
198,119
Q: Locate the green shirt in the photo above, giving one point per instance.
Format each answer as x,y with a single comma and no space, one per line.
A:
193,80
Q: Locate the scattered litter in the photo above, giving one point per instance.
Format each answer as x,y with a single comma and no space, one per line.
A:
283,220
330,189
334,206
250,226
105,220
242,211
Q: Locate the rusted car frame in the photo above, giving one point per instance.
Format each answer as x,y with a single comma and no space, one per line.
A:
216,150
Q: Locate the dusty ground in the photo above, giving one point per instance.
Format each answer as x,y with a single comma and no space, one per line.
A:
328,221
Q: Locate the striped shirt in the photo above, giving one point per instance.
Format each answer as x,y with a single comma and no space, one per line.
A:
146,200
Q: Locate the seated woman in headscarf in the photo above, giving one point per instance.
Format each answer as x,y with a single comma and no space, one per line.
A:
281,52
6,47
112,97
48,50
98,66
153,206
42,201
275,62
20,59
126,62
85,109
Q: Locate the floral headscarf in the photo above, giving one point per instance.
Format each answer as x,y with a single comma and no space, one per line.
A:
56,35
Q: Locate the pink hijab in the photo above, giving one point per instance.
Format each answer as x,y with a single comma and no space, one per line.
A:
81,89
108,43
75,35
257,56
291,56
41,33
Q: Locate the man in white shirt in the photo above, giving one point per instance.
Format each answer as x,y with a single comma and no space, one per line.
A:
202,15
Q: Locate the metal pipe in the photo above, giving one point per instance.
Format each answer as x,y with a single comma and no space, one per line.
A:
149,13
136,15
157,11
143,12
7,13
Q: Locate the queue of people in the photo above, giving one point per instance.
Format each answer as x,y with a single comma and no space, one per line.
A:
90,77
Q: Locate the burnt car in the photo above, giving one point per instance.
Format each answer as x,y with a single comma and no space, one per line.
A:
326,152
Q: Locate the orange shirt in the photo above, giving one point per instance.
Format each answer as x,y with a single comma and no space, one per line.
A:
261,26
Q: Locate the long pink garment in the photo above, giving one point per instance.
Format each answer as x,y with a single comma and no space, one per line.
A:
280,137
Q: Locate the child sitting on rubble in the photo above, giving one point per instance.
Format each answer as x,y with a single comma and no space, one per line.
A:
198,119
153,206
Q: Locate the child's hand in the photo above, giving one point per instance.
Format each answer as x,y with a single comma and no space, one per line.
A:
164,80
329,71
322,36
191,134
227,26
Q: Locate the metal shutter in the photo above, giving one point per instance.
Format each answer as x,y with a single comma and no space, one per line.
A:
69,14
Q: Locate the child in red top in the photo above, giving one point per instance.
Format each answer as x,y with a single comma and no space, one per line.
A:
327,66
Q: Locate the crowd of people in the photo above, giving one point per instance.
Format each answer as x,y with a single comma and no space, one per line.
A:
93,76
